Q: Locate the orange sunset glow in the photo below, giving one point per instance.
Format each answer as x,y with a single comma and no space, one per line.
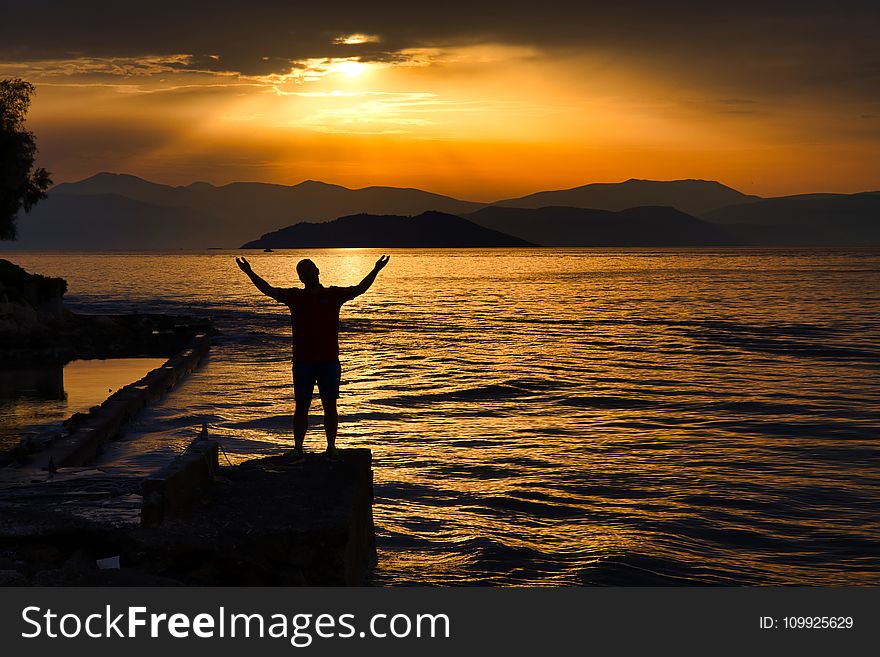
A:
459,295
480,116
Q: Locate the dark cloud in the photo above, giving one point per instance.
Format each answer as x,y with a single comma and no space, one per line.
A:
765,48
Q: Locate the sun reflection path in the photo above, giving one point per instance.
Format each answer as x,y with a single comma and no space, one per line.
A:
561,416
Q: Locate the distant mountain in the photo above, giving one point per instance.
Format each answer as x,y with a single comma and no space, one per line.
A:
427,230
692,196
570,227
110,222
124,212
119,211
121,184
807,219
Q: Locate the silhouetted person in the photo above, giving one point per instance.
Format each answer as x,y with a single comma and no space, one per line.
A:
314,313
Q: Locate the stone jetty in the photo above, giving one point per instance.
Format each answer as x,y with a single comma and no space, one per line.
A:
264,522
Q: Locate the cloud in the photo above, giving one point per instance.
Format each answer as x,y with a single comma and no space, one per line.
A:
753,47
124,67
676,78
356,39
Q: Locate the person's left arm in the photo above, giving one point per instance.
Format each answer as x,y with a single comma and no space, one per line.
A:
369,279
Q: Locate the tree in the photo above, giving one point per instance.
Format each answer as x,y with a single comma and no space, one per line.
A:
21,186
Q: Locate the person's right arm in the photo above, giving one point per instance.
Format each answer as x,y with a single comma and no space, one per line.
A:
259,282
364,285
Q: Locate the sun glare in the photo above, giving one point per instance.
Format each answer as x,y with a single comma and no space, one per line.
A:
356,39
351,67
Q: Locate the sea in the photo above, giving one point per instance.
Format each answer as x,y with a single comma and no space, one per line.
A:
553,417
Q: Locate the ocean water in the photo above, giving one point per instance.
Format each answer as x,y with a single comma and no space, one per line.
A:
555,417
35,399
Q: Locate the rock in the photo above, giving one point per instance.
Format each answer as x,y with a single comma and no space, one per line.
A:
317,531
28,337
43,554
22,292
80,562
127,577
175,487
53,577
273,523
9,563
12,578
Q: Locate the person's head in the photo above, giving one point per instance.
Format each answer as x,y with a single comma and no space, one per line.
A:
307,272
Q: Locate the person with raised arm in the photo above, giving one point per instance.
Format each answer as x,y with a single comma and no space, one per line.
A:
314,314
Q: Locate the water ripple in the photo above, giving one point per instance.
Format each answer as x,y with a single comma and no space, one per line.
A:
558,417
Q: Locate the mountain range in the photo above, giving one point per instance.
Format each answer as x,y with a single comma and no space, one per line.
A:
118,211
807,219
111,211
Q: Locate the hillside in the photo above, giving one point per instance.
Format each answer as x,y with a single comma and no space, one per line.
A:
110,222
692,196
571,227
427,230
120,211
809,219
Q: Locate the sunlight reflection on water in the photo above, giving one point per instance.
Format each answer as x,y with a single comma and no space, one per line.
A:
557,416
33,399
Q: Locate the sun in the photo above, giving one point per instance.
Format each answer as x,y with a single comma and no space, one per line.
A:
351,67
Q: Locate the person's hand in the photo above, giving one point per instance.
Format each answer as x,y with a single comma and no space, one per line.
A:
244,265
381,262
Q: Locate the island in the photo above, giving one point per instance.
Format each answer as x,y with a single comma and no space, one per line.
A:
427,230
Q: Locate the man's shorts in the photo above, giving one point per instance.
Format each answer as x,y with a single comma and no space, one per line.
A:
326,374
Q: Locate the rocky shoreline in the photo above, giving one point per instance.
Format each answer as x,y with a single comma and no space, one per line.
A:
265,522
38,336
25,341
36,328
82,435
63,522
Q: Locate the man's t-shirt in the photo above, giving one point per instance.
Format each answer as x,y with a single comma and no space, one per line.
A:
314,318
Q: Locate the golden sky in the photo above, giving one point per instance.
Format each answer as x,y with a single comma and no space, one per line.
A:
482,116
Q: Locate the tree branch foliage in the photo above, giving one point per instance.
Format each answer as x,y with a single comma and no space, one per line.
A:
21,186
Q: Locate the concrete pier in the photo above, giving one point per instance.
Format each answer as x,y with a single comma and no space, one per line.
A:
268,522
265,522
84,434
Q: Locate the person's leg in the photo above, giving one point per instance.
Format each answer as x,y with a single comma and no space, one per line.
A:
329,377
331,422
303,386
300,421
